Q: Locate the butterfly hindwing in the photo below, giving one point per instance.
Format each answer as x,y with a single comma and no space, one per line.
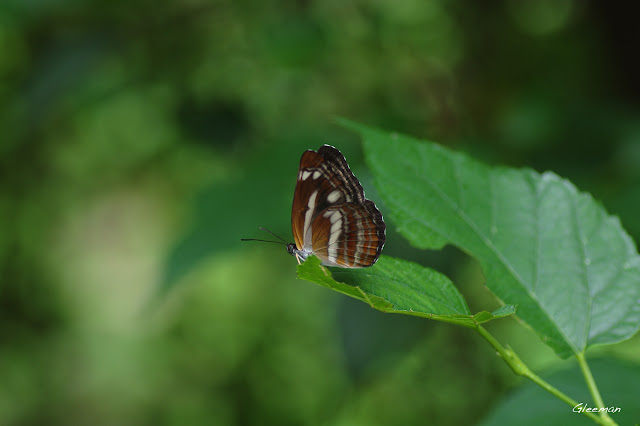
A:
347,235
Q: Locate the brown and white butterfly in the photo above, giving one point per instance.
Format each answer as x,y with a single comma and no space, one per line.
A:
331,218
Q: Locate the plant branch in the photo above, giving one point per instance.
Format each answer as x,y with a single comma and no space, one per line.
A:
593,388
521,369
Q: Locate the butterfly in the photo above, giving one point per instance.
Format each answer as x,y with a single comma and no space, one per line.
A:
331,218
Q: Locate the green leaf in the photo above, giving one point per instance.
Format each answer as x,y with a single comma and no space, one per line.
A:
399,286
571,269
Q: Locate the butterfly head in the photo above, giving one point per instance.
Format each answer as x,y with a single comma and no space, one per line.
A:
300,255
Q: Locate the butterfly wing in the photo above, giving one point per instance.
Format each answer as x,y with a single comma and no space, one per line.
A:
305,196
349,235
331,216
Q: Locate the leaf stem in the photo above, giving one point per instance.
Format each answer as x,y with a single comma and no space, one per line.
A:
521,369
593,388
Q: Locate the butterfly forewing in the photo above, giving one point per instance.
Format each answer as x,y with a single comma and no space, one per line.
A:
331,217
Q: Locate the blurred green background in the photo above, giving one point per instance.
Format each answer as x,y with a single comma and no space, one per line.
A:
141,140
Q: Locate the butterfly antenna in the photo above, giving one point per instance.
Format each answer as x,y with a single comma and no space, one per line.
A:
277,236
264,241
282,241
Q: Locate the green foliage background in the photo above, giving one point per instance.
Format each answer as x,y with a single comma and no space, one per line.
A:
140,141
